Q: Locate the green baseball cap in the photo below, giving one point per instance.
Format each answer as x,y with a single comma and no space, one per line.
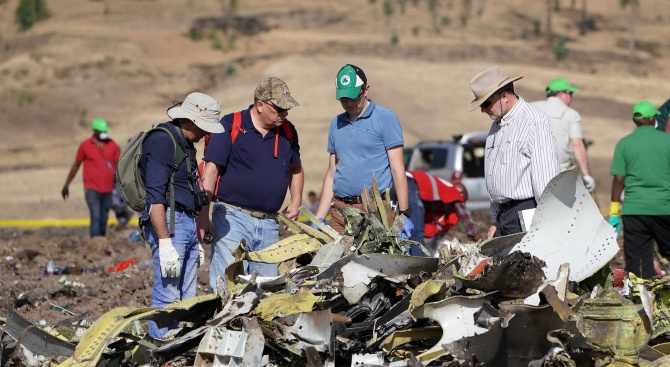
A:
560,85
100,125
644,109
349,81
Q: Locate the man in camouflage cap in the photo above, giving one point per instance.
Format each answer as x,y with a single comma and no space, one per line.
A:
247,171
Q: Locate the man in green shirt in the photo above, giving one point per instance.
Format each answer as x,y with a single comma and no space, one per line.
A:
641,168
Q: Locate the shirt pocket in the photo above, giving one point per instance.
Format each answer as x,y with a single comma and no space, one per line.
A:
510,152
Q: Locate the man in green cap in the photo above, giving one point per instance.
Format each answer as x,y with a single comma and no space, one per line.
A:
364,141
567,126
100,154
641,168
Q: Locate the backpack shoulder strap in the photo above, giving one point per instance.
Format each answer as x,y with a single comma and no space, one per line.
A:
288,131
237,123
179,156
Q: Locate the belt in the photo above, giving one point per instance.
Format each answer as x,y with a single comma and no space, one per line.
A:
355,199
511,204
254,213
189,212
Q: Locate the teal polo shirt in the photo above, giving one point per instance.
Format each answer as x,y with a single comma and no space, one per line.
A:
361,148
643,158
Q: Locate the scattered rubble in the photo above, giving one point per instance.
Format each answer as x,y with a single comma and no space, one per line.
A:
541,298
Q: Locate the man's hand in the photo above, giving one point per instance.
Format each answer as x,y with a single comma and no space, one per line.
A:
291,211
476,237
169,259
407,229
492,231
201,255
65,192
590,183
204,225
616,223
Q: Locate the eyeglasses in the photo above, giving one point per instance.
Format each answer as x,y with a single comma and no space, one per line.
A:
279,110
486,104
358,98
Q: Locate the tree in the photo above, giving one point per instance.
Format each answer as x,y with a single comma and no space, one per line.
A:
632,19
29,12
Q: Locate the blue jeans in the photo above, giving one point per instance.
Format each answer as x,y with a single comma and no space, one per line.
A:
98,208
418,211
230,226
169,290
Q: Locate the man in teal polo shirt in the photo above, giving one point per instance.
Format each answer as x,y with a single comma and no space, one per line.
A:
364,141
641,168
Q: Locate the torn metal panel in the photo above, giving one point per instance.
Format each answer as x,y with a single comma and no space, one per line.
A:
333,251
569,228
322,226
280,305
222,347
35,339
264,281
525,332
398,338
359,270
456,316
286,249
311,328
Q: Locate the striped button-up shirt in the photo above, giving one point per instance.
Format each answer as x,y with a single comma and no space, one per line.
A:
521,156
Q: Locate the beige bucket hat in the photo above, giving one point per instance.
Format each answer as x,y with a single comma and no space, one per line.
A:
200,108
486,83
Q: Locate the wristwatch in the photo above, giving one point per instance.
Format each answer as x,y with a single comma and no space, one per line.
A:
407,213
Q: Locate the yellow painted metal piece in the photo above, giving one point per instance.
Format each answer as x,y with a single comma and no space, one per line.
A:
426,290
280,305
322,226
288,248
401,337
380,204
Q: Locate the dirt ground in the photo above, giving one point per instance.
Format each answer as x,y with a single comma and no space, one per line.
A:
87,284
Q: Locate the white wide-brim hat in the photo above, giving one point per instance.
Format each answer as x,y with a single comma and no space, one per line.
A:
486,83
200,108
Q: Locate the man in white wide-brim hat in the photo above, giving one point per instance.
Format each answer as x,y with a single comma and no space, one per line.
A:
170,229
521,156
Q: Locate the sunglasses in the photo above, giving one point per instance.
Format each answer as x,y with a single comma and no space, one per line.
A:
279,110
358,98
488,102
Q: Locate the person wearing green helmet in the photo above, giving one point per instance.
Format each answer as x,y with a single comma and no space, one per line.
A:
567,126
641,169
100,155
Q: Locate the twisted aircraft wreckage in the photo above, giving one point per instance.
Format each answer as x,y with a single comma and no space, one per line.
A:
539,298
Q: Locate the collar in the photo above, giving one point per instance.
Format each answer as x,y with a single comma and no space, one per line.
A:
511,114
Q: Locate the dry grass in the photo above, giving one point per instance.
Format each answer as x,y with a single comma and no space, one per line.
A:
129,65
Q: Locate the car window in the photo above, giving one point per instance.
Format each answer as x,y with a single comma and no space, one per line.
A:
431,158
473,159
407,156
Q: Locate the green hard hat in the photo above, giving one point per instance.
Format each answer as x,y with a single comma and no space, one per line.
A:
644,109
560,85
100,125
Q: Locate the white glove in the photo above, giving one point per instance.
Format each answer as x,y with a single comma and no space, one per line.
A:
170,264
201,255
590,183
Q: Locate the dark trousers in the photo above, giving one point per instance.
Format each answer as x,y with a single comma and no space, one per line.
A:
98,208
639,232
508,216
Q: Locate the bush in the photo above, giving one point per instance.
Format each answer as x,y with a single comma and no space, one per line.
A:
559,49
395,38
29,12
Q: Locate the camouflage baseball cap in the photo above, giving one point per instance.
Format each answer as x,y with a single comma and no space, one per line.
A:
276,91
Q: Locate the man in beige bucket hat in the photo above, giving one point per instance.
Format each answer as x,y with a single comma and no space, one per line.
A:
173,235
521,156
252,167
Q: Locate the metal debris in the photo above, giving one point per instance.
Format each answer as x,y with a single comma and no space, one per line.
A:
540,298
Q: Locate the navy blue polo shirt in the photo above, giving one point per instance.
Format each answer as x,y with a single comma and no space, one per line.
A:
252,177
156,166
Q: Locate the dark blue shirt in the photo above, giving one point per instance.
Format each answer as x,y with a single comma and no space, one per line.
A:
252,177
156,166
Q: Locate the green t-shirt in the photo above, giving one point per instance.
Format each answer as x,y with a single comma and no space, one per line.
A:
663,117
643,158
